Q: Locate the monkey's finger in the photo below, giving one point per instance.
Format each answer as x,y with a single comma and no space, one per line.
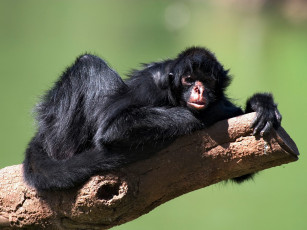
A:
259,126
278,116
256,119
259,114
266,128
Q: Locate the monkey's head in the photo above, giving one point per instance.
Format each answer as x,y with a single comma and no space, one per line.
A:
199,79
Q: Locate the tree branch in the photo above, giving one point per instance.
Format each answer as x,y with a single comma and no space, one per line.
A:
223,151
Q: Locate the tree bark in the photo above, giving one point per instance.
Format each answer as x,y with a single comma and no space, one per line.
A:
225,150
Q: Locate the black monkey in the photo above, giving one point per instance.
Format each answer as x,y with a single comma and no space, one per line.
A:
92,120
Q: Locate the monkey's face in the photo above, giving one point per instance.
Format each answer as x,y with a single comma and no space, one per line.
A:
199,78
197,94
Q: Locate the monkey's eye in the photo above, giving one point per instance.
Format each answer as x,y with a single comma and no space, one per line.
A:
187,80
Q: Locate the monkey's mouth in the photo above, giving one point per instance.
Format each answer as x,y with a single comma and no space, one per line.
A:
197,105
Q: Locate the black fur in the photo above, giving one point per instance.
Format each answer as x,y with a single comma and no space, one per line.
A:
92,120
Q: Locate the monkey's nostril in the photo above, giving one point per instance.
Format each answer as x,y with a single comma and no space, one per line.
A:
199,90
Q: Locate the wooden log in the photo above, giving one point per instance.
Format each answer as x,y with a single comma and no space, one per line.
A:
225,150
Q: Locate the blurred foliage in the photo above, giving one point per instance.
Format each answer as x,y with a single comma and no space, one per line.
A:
264,50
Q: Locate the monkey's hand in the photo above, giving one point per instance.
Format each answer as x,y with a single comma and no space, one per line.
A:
267,117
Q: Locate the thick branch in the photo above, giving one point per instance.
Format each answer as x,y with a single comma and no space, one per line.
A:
225,150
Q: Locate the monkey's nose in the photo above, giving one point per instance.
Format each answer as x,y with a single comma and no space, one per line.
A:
199,90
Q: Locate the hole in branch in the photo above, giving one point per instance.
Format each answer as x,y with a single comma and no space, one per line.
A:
108,191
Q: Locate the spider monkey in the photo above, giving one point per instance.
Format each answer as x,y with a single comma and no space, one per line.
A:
92,120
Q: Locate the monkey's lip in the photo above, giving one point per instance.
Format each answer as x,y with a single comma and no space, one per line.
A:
197,105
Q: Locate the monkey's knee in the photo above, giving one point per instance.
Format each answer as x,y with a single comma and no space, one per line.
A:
91,65
89,59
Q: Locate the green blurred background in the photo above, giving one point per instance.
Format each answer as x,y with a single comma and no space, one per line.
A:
264,43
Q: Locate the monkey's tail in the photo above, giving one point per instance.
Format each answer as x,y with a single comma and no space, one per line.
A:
44,173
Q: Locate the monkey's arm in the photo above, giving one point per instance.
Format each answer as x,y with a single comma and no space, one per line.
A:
137,126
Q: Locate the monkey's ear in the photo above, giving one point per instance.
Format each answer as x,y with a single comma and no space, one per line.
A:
163,81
